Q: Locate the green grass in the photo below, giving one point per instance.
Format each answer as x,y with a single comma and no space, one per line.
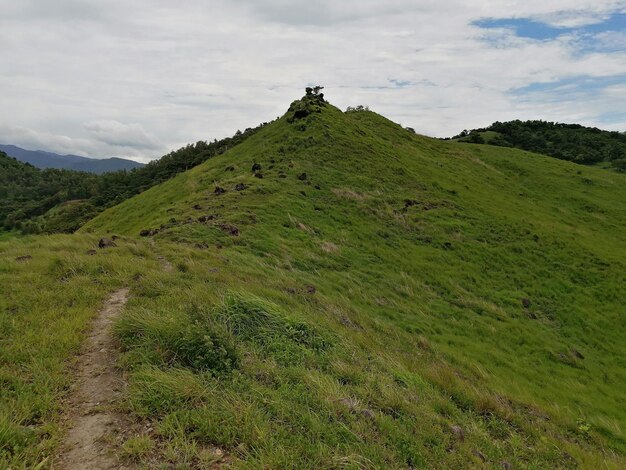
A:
47,300
5,235
363,312
487,136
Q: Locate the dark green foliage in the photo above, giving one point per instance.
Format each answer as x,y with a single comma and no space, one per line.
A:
253,320
573,142
114,188
475,138
67,217
28,193
179,340
312,102
199,349
619,164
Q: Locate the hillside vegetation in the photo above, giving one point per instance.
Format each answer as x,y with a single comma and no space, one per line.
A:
344,294
27,193
60,201
572,142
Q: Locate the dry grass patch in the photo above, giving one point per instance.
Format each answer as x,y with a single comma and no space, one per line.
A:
348,194
329,247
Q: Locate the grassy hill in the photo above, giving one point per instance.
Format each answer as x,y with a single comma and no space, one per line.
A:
344,294
60,200
572,142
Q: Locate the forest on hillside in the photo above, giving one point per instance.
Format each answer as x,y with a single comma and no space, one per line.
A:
27,192
572,142
52,200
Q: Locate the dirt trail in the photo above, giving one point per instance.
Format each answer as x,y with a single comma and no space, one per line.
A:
99,385
165,264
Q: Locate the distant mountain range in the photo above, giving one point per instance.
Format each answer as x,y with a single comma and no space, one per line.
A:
41,159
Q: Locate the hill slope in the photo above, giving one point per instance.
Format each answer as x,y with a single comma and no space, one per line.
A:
572,142
508,263
41,159
28,193
337,292
60,201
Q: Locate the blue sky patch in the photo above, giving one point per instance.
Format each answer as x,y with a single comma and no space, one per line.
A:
611,118
523,27
582,89
532,29
571,86
399,83
616,22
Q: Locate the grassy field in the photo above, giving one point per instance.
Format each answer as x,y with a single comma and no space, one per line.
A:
376,299
5,235
51,289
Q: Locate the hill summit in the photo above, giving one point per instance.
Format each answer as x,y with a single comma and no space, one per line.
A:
338,292
495,271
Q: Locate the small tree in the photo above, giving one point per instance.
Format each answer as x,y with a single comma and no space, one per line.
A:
357,109
313,91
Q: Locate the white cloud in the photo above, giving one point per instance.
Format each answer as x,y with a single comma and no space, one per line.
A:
610,40
149,76
33,140
616,91
107,143
117,134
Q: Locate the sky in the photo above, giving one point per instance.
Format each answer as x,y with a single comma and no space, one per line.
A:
139,78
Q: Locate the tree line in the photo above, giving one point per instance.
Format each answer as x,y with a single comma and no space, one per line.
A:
573,142
52,200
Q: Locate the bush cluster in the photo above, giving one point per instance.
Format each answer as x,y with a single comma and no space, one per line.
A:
312,102
572,142
27,193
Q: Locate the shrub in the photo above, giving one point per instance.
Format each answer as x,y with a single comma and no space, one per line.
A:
177,340
619,164
475,138
253,320
357,109
312,102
